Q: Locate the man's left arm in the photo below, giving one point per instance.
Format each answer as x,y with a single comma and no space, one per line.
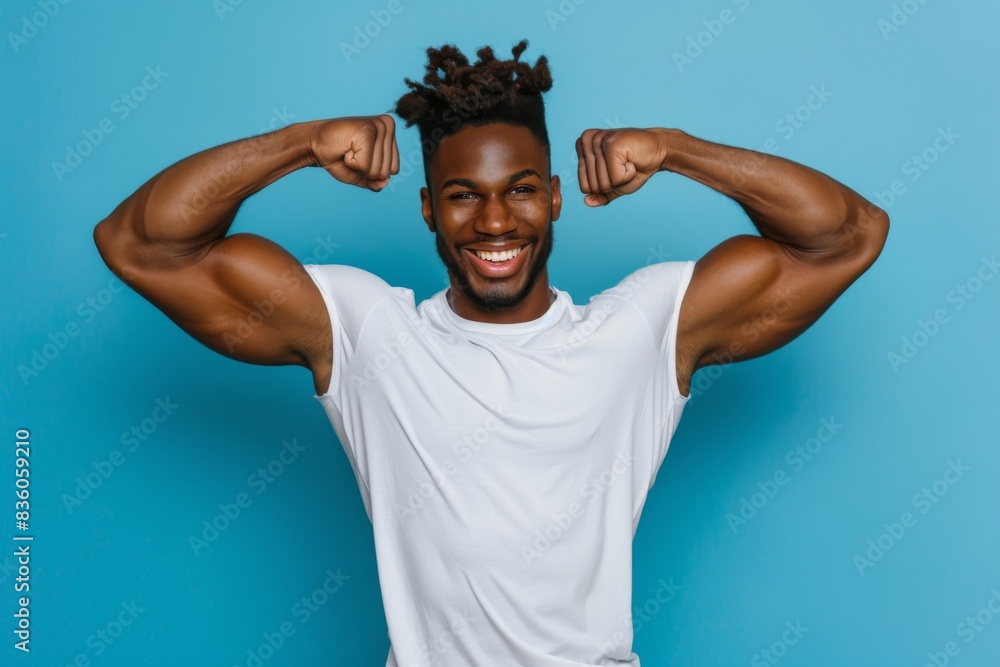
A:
749,295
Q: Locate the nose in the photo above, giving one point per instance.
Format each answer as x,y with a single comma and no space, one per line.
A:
495,217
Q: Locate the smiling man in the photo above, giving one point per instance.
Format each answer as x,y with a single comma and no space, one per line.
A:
505,274
504,438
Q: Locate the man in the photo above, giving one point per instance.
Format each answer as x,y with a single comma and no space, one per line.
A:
503,438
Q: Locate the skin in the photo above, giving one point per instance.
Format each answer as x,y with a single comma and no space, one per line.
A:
748,296
491,185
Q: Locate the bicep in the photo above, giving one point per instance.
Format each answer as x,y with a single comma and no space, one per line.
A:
751,295
242,296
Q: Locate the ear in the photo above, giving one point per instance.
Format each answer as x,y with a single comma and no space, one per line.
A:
556,186
426,209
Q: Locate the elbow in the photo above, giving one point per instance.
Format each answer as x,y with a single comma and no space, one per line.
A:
879,231
112,238
864,234
101,235
104,239
116,234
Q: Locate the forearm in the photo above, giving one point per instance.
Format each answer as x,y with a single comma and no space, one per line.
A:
193,202
787,202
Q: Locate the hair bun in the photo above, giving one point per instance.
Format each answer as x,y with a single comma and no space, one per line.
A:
450,81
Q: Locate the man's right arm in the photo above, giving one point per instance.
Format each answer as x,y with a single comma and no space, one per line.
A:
241,295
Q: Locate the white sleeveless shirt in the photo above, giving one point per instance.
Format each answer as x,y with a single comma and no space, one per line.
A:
504,466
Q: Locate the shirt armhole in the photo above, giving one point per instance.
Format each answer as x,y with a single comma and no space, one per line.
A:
670,341
336,336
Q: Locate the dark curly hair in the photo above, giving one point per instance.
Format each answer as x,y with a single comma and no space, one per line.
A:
456,94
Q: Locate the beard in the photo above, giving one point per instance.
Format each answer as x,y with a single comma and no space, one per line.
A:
497,295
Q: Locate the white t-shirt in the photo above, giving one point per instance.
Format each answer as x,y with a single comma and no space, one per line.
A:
504,466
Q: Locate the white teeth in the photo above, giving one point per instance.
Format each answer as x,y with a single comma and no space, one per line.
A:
498,256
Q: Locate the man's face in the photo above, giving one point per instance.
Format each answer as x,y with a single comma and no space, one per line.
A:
490,192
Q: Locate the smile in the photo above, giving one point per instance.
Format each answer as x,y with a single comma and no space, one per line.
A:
497,257
496,264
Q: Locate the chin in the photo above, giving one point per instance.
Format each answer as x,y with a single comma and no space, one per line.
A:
494,294
500,299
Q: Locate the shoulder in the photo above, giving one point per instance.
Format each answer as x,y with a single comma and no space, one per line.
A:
654,286
344,273
351,295
342,281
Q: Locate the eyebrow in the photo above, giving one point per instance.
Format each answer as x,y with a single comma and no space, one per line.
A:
468,183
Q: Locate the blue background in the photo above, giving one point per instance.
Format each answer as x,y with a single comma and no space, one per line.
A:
234,70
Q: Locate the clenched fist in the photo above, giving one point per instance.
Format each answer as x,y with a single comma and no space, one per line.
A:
617,162
358,150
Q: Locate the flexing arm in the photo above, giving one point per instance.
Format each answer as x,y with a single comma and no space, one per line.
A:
750,294
241,295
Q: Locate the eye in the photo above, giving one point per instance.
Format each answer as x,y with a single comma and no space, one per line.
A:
462,195
522,190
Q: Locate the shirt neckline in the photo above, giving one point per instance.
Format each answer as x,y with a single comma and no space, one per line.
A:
552,315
